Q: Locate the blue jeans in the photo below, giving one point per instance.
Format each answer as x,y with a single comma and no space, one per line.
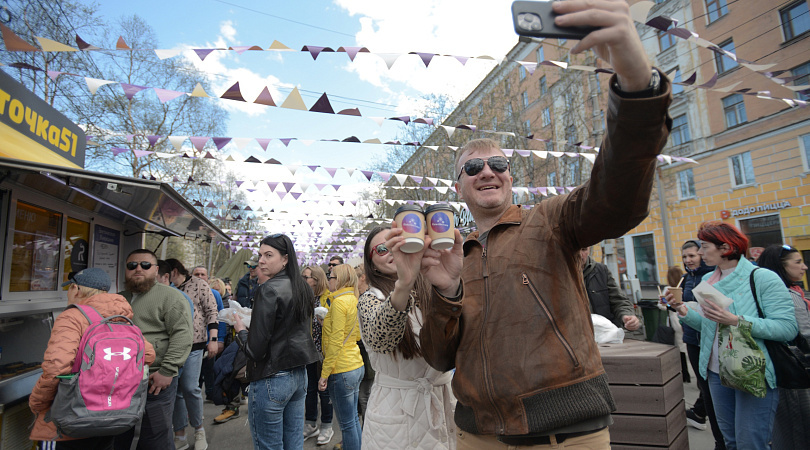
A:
313,394
344,390
746,421
276,410
188,405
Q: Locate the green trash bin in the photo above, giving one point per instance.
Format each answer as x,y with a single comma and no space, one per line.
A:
653,317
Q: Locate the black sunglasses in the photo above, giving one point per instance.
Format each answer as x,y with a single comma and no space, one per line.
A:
474,166
251,266
334,264
145,265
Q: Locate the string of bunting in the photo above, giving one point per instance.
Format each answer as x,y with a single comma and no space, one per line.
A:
639,12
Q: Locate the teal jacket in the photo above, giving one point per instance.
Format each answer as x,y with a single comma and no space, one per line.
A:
776,304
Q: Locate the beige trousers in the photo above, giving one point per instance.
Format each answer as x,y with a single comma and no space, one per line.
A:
594,441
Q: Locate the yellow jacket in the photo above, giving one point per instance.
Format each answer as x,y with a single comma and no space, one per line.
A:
341,354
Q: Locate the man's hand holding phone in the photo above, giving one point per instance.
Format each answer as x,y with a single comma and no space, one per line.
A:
612,36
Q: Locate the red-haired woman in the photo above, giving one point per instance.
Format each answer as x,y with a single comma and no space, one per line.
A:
745,420
411,404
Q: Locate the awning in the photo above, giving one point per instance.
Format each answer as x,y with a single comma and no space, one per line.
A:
142,204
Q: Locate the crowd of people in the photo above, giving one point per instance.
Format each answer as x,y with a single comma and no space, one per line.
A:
481,346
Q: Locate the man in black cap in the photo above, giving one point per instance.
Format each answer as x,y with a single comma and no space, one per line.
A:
248,283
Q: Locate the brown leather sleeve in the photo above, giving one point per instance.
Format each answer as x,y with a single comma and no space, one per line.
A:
621,181
441,332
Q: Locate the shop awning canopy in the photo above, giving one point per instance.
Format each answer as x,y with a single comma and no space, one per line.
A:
140,204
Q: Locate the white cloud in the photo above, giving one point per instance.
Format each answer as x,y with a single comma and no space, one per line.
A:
454,27
224,68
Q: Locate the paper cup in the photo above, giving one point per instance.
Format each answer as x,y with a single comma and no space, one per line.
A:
411,220
677,293
439,220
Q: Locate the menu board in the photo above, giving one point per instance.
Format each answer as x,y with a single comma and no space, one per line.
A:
35,255
106,242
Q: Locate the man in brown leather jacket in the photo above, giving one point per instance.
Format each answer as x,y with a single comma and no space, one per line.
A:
518,328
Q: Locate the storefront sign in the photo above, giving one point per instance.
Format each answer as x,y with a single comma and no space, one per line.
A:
725,214
32,130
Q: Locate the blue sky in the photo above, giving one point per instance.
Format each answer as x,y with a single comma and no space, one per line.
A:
455,27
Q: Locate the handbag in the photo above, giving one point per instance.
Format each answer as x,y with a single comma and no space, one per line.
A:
665,334
742,362
790,362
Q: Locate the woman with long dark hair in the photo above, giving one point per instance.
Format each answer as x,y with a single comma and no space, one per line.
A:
410,403
745,420
279,347
792,425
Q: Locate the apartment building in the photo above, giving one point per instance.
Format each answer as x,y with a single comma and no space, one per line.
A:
752,154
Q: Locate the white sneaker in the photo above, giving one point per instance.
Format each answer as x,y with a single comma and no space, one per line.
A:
180,444
199,440
310,431
325,436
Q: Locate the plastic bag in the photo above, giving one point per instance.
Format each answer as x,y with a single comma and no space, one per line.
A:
742,362
226,315
605,332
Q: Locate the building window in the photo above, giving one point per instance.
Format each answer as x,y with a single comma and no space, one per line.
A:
506,87
742,169
541,55
665,40
762,231
804,148
723,62
469,118
734,110
677,88
525,98
550,146
552,179
522,72
716,9
480,109
528,125
686,183
543,86
508,110
546,116
644,256
802,74
573,169
680,130
492,99
598,84
494,124
795,20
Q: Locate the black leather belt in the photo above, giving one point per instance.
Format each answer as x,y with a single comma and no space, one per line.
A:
542,440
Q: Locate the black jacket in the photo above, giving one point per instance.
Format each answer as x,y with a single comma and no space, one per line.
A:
690,280
245,290
604,294
276,340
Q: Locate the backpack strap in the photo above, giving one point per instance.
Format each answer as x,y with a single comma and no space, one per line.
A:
754,291
89,313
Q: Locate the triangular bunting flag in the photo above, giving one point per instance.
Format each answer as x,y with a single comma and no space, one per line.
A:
265,98
233,93
294,101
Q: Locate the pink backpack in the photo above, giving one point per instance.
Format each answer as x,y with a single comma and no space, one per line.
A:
105,394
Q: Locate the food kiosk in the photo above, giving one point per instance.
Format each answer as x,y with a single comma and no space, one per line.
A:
57,218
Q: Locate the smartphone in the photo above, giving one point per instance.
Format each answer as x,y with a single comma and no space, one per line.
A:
536,19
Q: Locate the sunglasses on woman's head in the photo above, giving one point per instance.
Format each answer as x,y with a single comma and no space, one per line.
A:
380,249
474,166
145,265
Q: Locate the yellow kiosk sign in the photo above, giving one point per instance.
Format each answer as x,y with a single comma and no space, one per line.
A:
32,130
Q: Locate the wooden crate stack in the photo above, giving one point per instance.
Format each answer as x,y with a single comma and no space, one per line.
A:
645,379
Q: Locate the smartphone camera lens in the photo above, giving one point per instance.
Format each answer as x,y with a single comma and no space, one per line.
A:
529,22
